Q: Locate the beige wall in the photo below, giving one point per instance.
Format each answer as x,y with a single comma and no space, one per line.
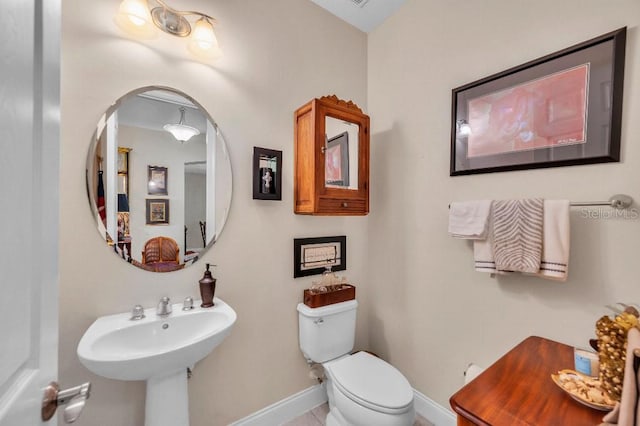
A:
278,55
430,313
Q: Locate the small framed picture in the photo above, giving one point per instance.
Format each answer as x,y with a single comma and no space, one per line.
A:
312,256
157,211
267,174
157,180
336,166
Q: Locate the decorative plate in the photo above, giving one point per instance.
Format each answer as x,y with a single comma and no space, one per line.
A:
585,390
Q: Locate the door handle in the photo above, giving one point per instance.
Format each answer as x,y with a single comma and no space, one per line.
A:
73,398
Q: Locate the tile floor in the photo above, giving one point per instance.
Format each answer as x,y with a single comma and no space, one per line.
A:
316,417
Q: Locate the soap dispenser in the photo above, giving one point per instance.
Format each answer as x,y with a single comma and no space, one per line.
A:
207,288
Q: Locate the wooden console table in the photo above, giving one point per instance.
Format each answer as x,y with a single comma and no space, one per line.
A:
517,390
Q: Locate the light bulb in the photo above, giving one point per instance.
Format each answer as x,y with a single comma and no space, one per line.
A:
134,18
464,129
203,42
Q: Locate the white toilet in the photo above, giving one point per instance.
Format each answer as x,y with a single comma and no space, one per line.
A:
363,390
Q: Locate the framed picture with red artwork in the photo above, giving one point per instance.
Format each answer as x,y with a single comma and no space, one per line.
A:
336,169
563,109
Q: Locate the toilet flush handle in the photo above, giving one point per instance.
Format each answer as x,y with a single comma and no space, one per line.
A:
318,321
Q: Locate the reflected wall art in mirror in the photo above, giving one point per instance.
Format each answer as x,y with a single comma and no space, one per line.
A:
158,179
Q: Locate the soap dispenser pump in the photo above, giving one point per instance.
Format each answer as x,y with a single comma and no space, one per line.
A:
207,288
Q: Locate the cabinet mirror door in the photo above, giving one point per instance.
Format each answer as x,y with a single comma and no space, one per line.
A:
341,154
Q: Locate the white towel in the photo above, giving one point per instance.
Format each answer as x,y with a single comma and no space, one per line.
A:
555,241
469,219
517,234
483,253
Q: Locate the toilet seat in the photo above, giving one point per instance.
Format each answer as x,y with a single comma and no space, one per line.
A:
372,383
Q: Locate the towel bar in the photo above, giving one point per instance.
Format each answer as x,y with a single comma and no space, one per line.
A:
618,201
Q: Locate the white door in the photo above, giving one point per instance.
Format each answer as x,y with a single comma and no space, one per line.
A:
29,161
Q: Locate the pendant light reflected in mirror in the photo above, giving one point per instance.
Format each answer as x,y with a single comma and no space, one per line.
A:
181,131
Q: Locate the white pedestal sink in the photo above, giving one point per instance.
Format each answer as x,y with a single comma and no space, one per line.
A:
158,350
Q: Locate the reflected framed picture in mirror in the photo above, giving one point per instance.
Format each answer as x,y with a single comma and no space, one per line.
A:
123,160
157,180
336,166
157,211
123,170
267,174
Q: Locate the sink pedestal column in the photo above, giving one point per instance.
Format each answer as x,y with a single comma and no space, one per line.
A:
167,401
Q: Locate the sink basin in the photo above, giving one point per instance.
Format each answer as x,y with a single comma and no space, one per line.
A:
118,348
158,350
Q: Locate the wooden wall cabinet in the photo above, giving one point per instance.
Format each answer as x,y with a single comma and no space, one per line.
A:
331,164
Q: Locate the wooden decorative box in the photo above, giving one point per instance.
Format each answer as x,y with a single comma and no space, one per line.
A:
316,300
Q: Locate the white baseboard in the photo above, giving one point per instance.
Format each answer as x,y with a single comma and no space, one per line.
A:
286,409
432,411
308,399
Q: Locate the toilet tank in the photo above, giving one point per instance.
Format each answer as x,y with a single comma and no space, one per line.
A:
327,332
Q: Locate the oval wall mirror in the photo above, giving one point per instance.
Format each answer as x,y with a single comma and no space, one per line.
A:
158,179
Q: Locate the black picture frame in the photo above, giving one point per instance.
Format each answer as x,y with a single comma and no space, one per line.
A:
310,255
157,211
157,180
599,125
267,174
339,142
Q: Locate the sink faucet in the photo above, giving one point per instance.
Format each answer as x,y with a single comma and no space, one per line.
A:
137,313
164,307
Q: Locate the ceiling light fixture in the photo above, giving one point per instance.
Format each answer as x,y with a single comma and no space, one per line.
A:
181,131
136,18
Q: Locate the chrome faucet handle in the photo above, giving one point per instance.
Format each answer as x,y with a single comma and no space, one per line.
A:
164,307
187,305
137,313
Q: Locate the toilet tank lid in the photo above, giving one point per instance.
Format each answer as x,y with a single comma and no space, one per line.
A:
327,310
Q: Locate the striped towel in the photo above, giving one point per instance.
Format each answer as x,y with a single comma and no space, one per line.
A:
517,234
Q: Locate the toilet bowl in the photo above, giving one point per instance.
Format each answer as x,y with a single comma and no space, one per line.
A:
365,390
362,390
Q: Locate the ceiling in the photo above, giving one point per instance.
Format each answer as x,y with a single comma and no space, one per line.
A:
362,14
153,109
